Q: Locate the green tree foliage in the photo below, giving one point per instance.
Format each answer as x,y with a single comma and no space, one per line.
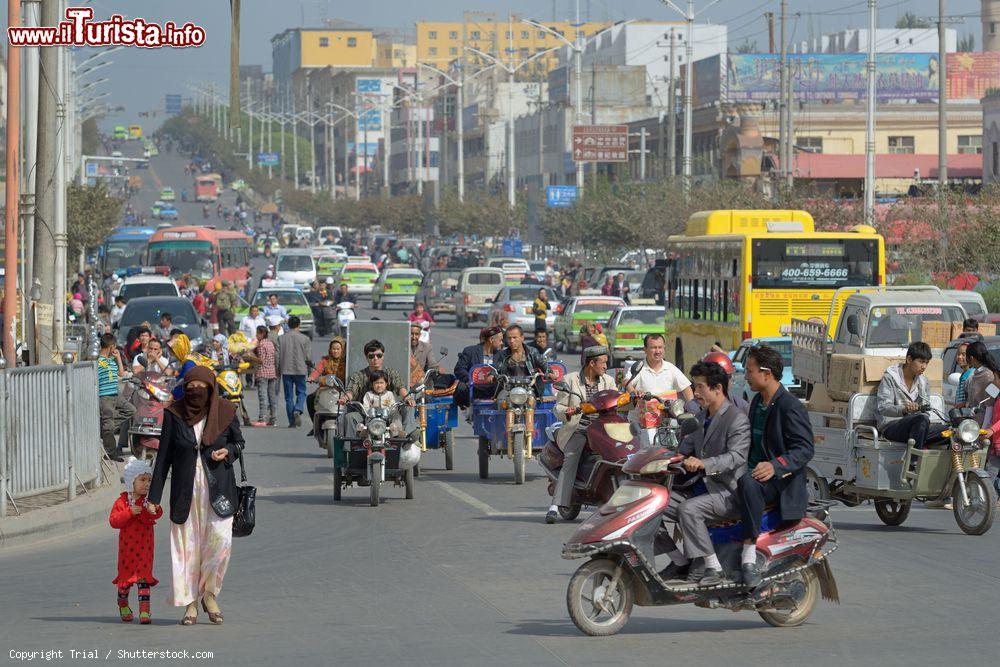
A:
967,44
91,214
748,46
90,139
910,20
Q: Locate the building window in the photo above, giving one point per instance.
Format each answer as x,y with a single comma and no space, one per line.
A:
453,51
452,34
324,41
993,28
524,52
475,34
352,42
901,145
433,51
542,34
970,144
525,34
810,144
432,34
508,35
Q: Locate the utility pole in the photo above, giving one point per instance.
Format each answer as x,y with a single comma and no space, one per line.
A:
29,181
460,122
13,139
942,104
688,92
642,154
578,66
250,133
59,234
234,65
45,186
282,141
672,103
295,144
782,94
870,120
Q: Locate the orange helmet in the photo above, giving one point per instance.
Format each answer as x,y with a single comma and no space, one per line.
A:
722,359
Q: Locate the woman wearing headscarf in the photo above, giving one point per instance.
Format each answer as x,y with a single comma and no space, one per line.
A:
334,363
199,443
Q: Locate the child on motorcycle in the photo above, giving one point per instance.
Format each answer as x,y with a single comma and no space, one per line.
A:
381,397
134,520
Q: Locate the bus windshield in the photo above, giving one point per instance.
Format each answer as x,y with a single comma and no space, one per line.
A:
122,254
194,257
814,264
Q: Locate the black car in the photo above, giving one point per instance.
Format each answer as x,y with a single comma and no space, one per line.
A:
149,308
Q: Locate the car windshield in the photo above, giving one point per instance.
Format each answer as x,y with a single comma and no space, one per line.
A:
898,326
194,257
641,317
137,312
972,308
596,306
443,278
528,294
294,263
285,298
148,289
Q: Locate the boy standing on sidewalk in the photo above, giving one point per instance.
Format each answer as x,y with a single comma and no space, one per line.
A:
115,410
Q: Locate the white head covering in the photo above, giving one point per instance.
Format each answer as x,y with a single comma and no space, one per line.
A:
223,340
133,469
274,320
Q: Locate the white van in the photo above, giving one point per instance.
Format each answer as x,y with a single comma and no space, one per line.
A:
476,288
329,230
295,266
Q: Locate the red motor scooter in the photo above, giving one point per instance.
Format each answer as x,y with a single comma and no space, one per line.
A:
150,396
610,441
619,541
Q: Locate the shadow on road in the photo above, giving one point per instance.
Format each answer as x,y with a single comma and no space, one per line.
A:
879,528
106,620
635,626
499,478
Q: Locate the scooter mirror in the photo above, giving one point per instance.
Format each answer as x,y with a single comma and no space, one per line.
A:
561,386
689,425
443,351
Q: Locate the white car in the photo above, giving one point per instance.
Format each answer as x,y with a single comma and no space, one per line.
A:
146,284
296,266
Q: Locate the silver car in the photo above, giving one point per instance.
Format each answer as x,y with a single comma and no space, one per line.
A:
517,301
435,290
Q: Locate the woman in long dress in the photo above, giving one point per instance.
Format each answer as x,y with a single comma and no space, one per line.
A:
199,442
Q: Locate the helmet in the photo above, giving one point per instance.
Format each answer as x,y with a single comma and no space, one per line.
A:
329,280
268,274
722,359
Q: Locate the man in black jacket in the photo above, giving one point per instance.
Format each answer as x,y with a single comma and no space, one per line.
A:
490,341
781,444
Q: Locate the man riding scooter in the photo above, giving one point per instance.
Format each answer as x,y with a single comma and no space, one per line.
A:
719,450
572,437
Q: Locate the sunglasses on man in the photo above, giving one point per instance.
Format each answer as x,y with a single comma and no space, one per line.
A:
375,355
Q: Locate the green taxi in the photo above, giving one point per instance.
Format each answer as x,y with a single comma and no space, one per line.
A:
396,287
168,194
577,310
290,297
154,210
329,260
360,278
627,329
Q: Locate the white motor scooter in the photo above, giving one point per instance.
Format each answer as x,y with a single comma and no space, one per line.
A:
345,315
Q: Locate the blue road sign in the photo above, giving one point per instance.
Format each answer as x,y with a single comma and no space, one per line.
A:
268,159
513,247
173,103
560,196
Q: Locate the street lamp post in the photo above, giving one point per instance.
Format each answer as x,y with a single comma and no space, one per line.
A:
689,17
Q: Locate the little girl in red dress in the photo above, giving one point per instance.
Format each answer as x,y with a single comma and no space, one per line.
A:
134,521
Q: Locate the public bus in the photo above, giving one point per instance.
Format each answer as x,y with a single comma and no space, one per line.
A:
120,132
206,188
736,275
124,247
135,131
204,253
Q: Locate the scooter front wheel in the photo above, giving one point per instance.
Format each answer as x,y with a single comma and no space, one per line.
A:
449,450
798,611
519,458
977,517
376,483
600,597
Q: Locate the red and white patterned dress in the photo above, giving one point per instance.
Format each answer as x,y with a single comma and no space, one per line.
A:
135,542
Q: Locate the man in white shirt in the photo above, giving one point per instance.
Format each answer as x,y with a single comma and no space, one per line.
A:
249,323
658,377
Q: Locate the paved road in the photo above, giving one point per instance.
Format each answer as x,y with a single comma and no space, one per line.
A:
468,574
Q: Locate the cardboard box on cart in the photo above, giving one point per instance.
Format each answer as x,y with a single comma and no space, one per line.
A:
820,401
860,374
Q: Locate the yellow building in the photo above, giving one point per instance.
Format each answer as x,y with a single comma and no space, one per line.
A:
440,43
309,48
395,54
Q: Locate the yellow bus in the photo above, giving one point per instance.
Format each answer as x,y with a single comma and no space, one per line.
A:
736,275
135,131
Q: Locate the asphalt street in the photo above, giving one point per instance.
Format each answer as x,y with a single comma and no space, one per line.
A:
467,573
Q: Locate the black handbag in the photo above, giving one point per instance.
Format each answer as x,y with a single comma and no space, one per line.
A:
221,505
246,499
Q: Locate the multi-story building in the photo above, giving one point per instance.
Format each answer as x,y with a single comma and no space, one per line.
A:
440,43
298,49
887,40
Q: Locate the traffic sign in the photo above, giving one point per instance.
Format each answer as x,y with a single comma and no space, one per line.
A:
600,143
513,247
268,160
173,104
560,196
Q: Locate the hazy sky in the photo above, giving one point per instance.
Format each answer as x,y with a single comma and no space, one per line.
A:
140,78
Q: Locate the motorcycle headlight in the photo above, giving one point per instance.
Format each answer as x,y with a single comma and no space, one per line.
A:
376,427
518,396
230,378
627,494
327,401
968,431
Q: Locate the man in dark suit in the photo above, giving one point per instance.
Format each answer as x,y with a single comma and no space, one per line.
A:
719,449
781,445
490,342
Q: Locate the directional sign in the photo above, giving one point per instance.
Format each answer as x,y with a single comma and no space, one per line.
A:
268,159
600,143
513,247
560,196
173,103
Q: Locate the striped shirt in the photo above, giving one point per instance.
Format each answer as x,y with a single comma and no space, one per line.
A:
962,382
107,376
265,352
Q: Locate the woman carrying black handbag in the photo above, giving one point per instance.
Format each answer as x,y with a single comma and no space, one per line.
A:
200,440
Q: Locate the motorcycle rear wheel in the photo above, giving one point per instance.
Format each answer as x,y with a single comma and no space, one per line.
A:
571,512
329,443
892,512
484,458
376,483
782,618
449,450
408,483
588,597
338,483
519,458
978,517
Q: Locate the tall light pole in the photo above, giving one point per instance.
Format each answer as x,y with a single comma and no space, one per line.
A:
577,46
870,119
689,17
511,70
357,173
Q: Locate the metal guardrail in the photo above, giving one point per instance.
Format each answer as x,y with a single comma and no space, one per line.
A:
49,431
